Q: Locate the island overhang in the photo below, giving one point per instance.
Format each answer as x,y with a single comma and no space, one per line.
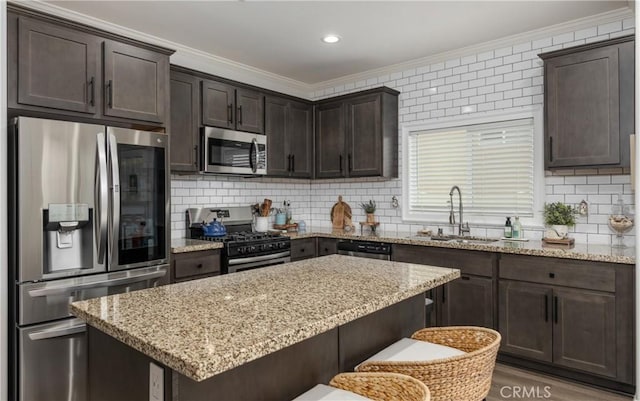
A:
205,327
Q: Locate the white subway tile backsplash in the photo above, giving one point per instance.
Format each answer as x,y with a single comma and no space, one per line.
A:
610,27
541,43
586,33
599,179
565,37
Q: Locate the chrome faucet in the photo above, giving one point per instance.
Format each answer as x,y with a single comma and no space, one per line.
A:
452,217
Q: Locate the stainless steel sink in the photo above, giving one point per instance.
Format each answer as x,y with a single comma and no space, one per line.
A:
474,240
456,238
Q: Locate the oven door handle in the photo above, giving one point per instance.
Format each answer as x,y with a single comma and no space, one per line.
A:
255,265
66,289
260,258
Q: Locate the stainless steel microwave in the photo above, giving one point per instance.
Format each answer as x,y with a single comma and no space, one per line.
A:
233,152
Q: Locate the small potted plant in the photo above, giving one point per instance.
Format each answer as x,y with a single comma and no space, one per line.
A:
369,209
559,217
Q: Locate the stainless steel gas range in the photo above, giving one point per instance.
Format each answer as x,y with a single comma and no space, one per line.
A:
243,248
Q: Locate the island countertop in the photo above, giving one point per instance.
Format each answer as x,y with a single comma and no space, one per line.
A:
205,327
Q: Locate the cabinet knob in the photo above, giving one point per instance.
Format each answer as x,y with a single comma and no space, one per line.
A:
199,266
552,275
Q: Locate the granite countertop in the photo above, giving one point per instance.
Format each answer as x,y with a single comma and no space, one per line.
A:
182,245
595,253
205,327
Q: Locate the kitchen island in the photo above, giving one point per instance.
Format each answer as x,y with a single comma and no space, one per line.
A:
270,333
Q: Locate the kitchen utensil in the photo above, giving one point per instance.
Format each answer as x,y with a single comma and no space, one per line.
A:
341,215
261,224
281,219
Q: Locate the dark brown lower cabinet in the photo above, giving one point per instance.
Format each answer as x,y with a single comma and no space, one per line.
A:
568,327
303,249
327,246
584,330
195,265
525,319
468,301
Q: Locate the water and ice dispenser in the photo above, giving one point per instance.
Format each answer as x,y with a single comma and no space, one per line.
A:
67,237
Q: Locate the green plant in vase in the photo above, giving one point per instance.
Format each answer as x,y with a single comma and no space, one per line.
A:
559,217
369,209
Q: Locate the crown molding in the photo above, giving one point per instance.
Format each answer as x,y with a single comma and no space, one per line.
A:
552,30
184,56
201,61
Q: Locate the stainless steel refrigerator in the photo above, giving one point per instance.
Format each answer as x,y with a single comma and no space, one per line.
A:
89,216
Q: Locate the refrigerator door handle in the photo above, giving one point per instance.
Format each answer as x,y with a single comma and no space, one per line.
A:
101,197
57,332
64,289
114,232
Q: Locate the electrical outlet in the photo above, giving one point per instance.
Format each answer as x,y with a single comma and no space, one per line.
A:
156,382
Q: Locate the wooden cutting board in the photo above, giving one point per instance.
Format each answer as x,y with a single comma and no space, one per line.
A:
341,215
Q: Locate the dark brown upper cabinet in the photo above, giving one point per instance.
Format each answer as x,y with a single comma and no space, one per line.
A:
63,68
134,82
330,140
185,125
289,130
59,67
589,104
357,135
226,106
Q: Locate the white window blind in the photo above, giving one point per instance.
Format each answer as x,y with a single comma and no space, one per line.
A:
493,164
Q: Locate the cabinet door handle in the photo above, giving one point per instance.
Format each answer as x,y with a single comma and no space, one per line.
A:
293,163
555,309
240,115
195,155
230,113
465,277
349,159
550,148
444,296
289,163
110,93
92,91
341,163
546,307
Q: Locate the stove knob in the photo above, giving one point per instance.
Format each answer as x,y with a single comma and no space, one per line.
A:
252,248
281,244
241,250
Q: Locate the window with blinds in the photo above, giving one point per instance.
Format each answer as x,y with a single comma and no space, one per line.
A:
492,163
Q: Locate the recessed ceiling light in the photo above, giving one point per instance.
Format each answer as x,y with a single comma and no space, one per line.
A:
331,39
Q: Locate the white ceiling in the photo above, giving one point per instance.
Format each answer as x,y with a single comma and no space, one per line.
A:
283,38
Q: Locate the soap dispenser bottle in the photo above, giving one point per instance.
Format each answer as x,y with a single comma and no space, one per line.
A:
507,228
517,229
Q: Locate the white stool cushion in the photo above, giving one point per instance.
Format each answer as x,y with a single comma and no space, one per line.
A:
409,349
323,392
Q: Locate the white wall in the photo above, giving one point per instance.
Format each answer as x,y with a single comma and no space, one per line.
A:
504,78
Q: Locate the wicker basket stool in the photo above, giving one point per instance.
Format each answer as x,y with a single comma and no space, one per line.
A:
465,377
369,386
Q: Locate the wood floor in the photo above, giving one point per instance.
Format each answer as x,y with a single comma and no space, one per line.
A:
513,384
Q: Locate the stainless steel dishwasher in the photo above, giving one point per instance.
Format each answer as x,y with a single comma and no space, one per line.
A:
379,250
365,249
